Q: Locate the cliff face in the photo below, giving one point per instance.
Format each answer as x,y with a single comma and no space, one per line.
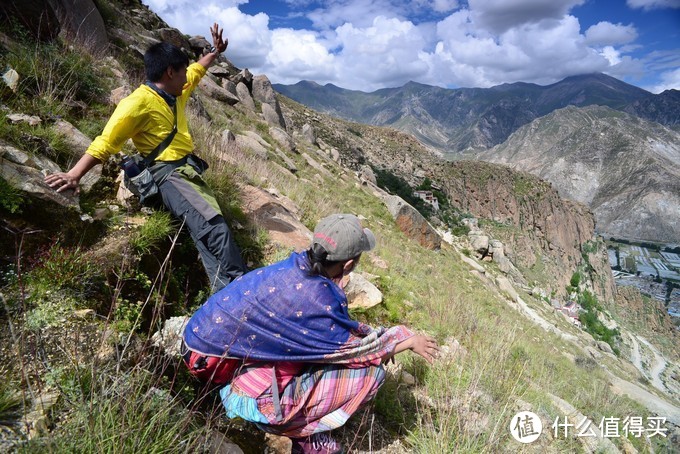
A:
648,315
625,169
545,233
599,272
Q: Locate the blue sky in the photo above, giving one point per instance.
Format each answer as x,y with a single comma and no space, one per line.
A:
370,44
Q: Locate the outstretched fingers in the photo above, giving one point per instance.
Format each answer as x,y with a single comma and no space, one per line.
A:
427,347
219,43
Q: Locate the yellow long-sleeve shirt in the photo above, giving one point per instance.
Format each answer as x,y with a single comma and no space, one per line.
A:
146,118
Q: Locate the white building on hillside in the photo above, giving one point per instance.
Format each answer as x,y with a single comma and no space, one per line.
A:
429,198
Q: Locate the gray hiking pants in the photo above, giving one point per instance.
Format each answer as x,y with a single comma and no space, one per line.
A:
189,199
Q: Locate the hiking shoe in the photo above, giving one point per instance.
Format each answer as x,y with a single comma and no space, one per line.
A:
321,443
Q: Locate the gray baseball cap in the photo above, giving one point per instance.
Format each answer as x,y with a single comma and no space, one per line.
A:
342,236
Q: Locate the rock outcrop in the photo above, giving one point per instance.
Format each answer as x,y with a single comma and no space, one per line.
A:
548,230
412,223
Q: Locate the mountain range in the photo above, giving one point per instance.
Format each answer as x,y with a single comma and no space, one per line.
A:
464,119
598,140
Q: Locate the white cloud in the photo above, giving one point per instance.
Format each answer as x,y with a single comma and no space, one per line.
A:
386,53
444,6
653,4
501,15
669,80
297,55
541,52
249,36
370,44
607,34
612,55
359,13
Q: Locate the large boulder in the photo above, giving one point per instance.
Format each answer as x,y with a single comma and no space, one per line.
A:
244,76
309,133
244,95
81,22
289,164
412,223
79,142
273,115
361,293
246,142
176,38
264,93
278,215
366,174
215,91
283,138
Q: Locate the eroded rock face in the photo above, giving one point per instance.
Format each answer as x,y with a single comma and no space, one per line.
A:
412,223
80,21
652,314
625,169
25,174
35,207
550,231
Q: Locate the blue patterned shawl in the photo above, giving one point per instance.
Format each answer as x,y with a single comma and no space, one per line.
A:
281,313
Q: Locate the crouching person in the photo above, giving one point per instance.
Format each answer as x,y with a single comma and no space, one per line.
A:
283,346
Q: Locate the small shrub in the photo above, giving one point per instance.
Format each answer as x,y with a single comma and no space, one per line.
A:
127,315
11,199
75,382
585,362
157,227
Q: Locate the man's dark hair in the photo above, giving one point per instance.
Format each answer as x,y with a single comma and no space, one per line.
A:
318,258
161,55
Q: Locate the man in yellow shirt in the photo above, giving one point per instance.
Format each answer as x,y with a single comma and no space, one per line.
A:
146,117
